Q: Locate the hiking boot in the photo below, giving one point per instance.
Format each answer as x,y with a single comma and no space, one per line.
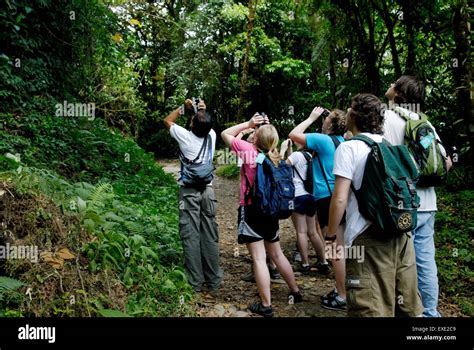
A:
274,274
258,308
248,277
323,268
295,297
335,303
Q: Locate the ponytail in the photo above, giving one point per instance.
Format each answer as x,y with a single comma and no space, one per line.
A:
267,141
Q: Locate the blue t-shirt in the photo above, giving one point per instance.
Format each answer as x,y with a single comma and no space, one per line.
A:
324,146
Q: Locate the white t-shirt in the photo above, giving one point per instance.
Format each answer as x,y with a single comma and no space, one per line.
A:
190,144
298,161
349,162
394,132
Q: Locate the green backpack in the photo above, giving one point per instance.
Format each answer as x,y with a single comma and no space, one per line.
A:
425,148
387,196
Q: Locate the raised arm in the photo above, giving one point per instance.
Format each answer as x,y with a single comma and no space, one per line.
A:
171,118
229,134
297,134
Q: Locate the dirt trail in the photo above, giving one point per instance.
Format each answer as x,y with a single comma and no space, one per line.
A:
235,294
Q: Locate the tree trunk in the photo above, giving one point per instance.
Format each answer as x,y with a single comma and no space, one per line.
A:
462,68
384,12
372,70
410,37
245,68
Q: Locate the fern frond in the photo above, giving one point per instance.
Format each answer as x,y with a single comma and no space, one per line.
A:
101,194
8,285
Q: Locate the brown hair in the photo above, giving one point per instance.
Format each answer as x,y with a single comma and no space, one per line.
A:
338,122
409,90
367,114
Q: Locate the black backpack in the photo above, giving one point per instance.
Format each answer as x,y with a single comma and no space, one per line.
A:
308,182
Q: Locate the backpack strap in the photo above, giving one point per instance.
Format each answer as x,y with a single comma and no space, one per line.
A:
405,114
248,188
363,138
306,156
369,142
204,143
335,140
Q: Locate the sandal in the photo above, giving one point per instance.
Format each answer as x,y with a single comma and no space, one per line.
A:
258,308
334,303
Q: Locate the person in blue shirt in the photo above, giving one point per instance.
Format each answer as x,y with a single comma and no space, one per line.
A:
323,145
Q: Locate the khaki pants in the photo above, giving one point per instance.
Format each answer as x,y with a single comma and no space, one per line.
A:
385,283
199,236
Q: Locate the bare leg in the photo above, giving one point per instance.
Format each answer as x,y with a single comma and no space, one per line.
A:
299,221
339,265
283,265
315,238
262,276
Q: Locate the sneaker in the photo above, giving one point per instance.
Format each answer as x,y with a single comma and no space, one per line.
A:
258,308
334,303
274,274
295,297
248,277
304,268
323,268
331,294
297,256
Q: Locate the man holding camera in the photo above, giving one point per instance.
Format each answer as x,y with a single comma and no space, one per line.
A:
197,201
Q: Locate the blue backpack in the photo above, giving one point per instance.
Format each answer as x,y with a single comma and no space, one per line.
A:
273,191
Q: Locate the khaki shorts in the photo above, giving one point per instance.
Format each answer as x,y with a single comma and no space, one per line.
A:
385,283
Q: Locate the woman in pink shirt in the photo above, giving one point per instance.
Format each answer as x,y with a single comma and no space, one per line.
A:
259,232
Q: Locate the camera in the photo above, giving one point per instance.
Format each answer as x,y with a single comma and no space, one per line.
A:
325,113
196,102
262,114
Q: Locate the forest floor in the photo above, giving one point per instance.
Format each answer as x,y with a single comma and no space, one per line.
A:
234,295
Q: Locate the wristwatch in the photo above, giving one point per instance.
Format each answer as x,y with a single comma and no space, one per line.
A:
330,238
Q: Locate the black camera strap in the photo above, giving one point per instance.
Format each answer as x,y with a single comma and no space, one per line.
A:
203,149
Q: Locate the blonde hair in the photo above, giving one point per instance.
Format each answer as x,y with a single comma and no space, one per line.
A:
266,141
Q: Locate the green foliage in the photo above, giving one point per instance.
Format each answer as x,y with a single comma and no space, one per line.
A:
231,171
7,286
454,230
131,209
112,313
136,61
9,295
